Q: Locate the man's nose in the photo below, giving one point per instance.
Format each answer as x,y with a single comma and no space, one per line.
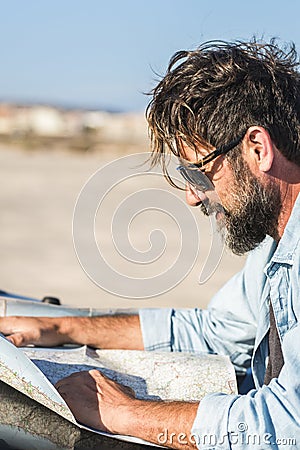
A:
191,196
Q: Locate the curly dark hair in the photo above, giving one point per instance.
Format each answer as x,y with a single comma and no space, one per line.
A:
211,95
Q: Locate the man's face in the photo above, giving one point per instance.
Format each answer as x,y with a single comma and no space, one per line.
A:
246,208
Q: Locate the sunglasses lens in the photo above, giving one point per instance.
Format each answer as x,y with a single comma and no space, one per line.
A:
202,188
196,178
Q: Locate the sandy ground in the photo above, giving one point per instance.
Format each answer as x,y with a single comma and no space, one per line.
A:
37,196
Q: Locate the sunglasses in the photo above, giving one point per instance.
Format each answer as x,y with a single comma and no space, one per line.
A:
194,173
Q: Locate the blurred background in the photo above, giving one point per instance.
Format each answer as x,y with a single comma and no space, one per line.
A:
72,98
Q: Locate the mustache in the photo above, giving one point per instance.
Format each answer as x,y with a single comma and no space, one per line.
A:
208,208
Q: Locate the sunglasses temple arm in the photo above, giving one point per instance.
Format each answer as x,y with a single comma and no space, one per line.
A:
211,156
218,152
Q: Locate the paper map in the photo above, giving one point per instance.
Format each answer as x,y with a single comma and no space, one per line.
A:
152,375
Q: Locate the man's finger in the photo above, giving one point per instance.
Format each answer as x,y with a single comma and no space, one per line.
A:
19,339
6,326
129,391
96,374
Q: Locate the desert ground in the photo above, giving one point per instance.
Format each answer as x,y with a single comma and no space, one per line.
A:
38,193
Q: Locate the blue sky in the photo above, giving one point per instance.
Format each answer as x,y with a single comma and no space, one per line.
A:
103,53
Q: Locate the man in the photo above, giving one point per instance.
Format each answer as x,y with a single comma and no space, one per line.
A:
231,113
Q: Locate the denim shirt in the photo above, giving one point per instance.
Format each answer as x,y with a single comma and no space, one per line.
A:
236,323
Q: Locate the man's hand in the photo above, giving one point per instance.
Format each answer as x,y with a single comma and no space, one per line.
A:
42,331
97,401
112,331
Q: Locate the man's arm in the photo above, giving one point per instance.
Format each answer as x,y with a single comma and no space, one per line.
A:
119,331
267,417
226,327
101,403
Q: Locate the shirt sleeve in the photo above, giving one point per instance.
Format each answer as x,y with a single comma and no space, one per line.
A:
228,326
268,417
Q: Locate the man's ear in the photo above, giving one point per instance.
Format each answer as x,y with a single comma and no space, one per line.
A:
260,148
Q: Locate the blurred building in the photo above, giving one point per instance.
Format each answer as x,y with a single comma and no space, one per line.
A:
48,121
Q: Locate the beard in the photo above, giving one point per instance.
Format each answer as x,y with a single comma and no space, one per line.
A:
253,213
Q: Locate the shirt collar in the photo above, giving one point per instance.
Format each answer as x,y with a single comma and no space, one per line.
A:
289,241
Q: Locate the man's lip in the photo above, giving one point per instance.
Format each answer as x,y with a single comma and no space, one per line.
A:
219,215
